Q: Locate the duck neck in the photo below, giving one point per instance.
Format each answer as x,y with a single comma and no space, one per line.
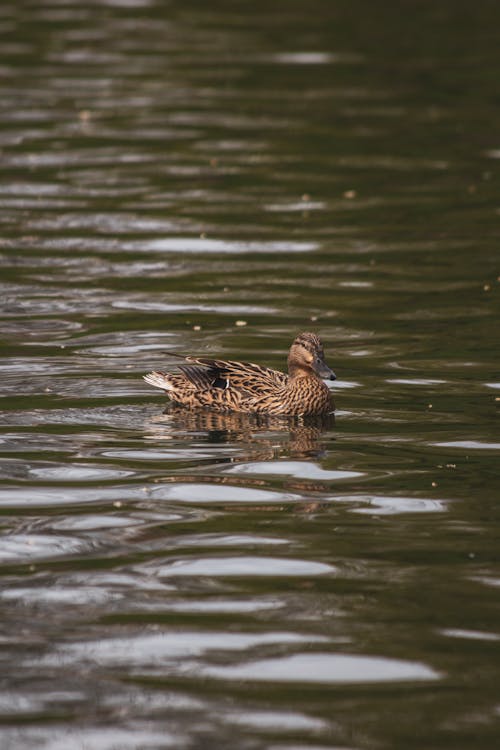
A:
296,373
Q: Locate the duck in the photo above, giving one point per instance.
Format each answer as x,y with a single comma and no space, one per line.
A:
229,386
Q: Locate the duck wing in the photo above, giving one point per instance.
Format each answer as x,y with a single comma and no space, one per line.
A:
203,378
242,376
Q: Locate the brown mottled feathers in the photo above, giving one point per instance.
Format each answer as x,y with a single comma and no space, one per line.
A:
227,385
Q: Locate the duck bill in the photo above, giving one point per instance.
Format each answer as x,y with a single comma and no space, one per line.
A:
322,369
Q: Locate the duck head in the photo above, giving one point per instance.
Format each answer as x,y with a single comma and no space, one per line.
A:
306,354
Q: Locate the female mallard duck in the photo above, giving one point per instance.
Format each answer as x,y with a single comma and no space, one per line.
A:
242,386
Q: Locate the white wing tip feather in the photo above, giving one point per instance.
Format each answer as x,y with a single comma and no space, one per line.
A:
158,380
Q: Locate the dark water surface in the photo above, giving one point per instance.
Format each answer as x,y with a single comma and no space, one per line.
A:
171,171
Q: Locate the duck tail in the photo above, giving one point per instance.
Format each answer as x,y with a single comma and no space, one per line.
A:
159,380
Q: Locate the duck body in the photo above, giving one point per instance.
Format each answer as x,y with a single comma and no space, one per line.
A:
230,386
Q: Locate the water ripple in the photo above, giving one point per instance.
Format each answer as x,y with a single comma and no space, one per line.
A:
243,566
325,668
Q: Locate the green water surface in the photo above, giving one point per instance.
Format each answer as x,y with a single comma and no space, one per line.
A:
213,178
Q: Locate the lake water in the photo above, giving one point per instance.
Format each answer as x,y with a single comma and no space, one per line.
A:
213,178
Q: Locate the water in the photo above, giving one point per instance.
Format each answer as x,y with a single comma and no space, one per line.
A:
170,172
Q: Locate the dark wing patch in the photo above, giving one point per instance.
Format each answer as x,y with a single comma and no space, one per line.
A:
202,378
220,383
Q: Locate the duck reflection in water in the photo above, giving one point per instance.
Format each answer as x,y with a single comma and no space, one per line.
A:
267,437
259,438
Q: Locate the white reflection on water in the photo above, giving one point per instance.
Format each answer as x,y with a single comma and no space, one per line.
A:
201,245
299,469
16,703
225,539
61,596
470,634
244,565
214,606
217,493
380,505
469,445
295,206
416,381
154,649
276,720
20,497
25,547
108,738
312,58
325,668
143,303
78,473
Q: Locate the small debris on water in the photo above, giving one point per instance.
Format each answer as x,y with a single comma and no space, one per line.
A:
350,194
240,323
196,328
